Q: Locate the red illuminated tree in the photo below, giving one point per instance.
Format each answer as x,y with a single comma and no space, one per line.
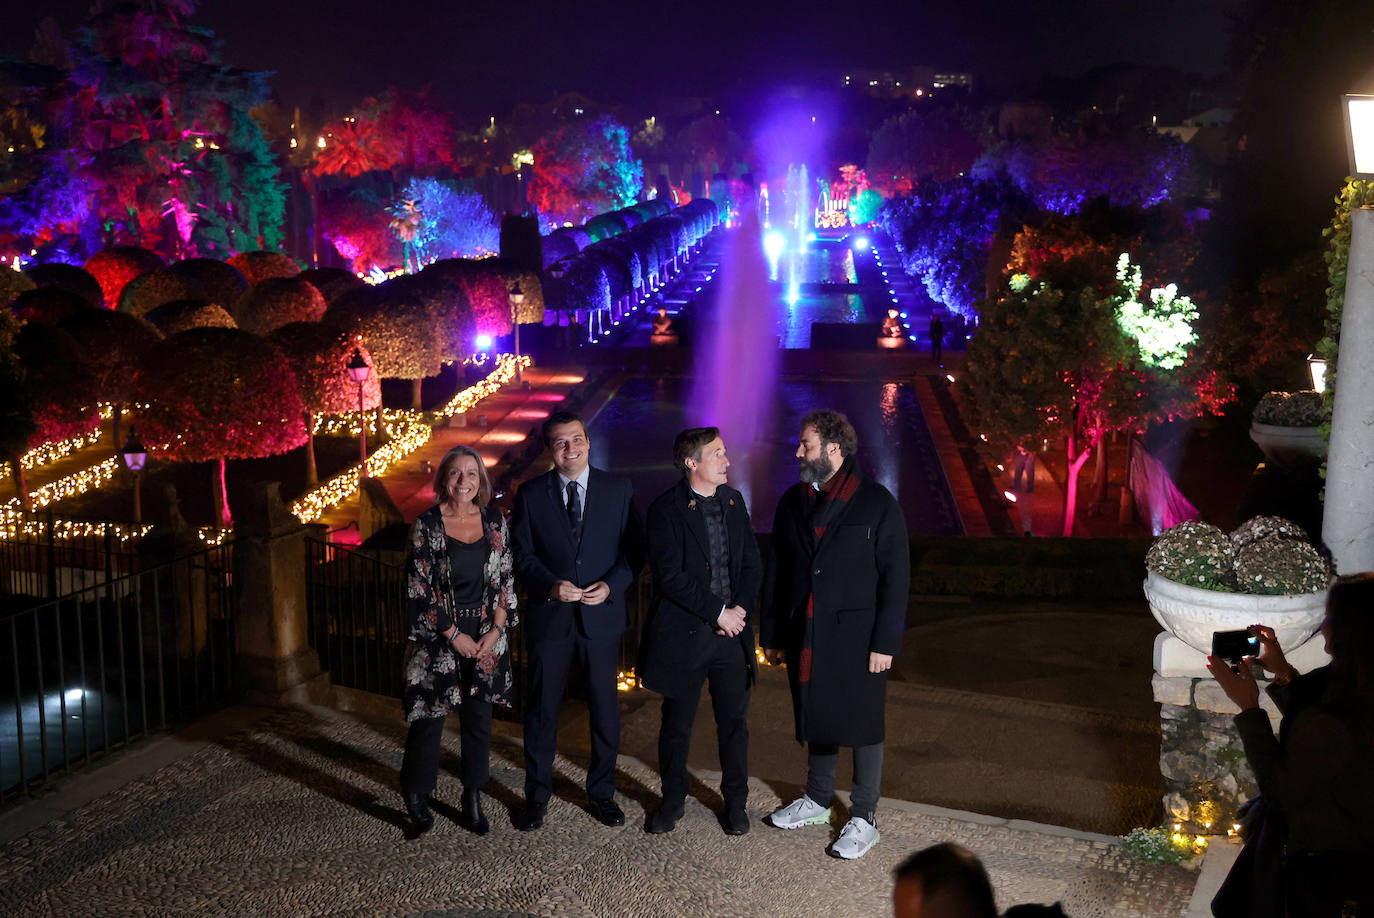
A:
259,266
922,145
115,267
583,169
319,356
215,394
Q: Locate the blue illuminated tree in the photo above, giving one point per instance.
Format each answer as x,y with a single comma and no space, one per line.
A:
448,222
583,169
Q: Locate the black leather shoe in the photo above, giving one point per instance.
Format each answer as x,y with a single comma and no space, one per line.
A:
417,808
664,820
470,814
606,812
531,817
736,821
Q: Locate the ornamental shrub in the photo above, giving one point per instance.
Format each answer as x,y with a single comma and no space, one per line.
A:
60,384
1264,556
332,282
49,305
319,356
153,288
71,278
171,318
278,301
1291,409
1157,846
1196,554
484,295
532,310
13,283
218,393
261,266
221,282
116,266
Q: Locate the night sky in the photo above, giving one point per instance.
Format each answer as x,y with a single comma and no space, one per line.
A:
483,56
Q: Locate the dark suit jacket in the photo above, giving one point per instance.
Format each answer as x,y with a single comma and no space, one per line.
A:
546,551
678,636
859,575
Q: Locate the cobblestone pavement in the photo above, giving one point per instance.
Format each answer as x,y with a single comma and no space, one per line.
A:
297,814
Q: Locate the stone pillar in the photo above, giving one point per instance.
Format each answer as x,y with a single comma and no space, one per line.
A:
1206,777
1348,523
276,662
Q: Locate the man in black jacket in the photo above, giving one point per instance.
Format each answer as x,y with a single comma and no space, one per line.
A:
834,609
706,570
574,532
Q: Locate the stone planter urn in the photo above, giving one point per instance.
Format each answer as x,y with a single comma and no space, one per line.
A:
1291,447
1191,614
1206,777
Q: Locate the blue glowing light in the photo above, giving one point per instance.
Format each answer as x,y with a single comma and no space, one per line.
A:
861,243
483,342
773,243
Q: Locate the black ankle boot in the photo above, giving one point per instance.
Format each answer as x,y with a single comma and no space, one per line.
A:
417,808
470,814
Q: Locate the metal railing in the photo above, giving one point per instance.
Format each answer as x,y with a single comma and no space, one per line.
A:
52,565
114,662
357,621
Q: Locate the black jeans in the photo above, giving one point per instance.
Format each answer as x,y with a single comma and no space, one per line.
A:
727,674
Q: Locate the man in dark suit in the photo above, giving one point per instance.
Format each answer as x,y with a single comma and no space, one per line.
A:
834,609
706,570
574,532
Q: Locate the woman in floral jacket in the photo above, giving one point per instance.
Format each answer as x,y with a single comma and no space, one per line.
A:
460,591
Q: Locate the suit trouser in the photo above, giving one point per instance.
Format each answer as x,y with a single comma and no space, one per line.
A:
420,767
549,665
727,674
868,773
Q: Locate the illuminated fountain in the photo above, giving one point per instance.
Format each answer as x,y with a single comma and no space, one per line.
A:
737,368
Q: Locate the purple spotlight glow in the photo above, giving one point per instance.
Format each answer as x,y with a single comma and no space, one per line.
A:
860,243
483,342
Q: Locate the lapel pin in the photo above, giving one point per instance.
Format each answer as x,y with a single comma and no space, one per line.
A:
691,505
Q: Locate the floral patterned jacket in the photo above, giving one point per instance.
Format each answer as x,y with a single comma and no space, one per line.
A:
432,686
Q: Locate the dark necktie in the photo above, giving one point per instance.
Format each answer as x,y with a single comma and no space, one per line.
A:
574,512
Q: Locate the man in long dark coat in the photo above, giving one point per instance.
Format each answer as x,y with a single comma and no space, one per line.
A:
834,609
706,570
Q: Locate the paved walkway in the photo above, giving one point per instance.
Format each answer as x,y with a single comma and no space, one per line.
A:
294,812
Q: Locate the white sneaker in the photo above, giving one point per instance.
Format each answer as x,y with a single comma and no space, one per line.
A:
800,812
857,836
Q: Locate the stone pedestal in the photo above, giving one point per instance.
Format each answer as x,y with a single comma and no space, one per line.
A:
276,663
1348,518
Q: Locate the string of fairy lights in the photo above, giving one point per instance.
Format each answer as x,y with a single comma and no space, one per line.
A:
58,450
406,429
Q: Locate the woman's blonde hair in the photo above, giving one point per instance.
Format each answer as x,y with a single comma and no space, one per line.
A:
441,476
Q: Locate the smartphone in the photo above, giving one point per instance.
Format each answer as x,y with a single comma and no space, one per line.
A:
1233,646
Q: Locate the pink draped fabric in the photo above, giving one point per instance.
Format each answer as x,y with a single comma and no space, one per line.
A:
1157,500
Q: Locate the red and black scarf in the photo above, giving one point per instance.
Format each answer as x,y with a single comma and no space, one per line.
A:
824,505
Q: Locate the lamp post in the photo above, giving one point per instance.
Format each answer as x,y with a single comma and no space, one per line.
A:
358,371
135,456
517,299
1349,508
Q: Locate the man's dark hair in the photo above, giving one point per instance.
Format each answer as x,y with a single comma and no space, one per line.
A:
557,419
833,427
953,881
689,443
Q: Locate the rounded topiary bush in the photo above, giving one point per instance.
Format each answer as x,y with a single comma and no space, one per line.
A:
13,283
260,266
151,290
276,302
48,305
532,310
319,356
221,282
116,266
332,282
67,277
171,318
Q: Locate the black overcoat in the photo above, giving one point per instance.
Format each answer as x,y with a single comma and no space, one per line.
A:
679,636
860,575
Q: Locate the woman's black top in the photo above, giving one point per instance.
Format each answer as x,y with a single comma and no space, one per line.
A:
468,561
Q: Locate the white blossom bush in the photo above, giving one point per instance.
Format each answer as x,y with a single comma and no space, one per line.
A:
1194,553
1291,409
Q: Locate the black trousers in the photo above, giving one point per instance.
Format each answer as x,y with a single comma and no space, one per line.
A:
727,675
420,767
549,665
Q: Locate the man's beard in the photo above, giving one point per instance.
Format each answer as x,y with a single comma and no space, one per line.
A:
815,471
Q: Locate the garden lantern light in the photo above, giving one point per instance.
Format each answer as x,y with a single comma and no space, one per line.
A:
358,371
1358,107
135,457
517,299
1316,368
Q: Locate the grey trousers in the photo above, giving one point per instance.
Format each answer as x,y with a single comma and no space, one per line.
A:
868,774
